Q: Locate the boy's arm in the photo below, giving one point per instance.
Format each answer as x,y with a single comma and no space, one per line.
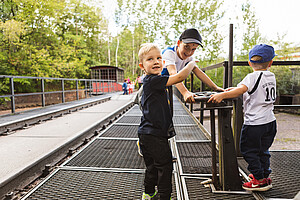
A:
235,92
182,74
205,79
187,95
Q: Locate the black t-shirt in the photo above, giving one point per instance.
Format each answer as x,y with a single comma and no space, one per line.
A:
157,118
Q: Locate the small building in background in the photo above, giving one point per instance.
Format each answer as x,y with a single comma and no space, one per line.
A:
107,72
106,75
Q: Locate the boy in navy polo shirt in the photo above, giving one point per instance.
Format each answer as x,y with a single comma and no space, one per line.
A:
156,125
259,129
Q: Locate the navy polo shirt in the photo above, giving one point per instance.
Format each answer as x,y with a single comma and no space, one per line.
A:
157,118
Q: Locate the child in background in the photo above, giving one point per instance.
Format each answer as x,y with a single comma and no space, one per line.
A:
124,87
259,129
129,87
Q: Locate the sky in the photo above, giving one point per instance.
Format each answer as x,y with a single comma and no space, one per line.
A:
274,17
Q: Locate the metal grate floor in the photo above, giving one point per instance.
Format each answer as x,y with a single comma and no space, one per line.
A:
109,154
121,131
137,120
76,184
285,176
69,184
197,191
183,120
130,120
180,112
189,133
93,182
134,111
195,157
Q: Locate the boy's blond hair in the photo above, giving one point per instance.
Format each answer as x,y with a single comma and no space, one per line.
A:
259,65
145,48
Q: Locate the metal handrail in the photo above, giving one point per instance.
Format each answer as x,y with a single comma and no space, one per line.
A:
88,88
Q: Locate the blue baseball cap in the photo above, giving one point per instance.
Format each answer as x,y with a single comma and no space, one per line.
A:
265,51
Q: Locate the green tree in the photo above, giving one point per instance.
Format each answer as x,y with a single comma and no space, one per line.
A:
251,34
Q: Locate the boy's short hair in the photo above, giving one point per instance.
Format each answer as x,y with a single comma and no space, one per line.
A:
145,48
258,65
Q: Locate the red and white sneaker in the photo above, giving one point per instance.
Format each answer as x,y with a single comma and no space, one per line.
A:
268,179
256,185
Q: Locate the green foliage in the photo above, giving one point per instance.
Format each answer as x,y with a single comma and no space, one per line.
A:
63,38
284,80
251,34
163,22
48,39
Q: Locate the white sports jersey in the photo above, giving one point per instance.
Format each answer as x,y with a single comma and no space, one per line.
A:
170,57
258,106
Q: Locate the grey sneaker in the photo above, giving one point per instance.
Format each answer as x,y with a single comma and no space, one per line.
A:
148,196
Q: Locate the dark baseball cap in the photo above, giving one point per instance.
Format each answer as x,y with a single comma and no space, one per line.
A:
265,51
191,35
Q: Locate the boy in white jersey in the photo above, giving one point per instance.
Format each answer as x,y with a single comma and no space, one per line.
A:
178,56
259,128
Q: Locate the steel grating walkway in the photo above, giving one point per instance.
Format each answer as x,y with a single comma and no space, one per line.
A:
285,174
109,167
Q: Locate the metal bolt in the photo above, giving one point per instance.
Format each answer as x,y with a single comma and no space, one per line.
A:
70,152
9,196
46,170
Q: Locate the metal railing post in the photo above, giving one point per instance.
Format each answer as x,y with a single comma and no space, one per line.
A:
62,91
238,120
201,117
12,98
43,92
230,57
85,88
228,167
192,90
77,92
90,88
213,147
225,75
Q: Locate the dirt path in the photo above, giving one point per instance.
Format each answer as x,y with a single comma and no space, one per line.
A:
288,132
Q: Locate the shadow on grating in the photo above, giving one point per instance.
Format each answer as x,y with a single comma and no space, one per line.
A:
130,119
189,133
197,191
285,174
71,184
109,154
195,157
121,131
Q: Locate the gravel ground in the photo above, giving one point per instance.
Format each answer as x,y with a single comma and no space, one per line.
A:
288,131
